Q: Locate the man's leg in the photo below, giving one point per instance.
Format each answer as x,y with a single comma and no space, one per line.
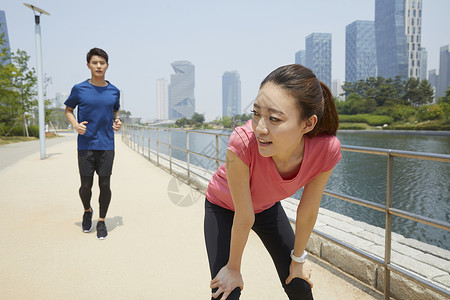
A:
85,195
105,161
85,191
104,182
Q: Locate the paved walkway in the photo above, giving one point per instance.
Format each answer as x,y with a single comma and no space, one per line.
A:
155,247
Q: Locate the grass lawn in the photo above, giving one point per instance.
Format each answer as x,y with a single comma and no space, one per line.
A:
17,139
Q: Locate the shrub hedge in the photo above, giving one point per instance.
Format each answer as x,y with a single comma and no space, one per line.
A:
372,120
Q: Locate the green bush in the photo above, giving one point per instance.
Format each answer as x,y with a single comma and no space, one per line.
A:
430,126
345,126
373,120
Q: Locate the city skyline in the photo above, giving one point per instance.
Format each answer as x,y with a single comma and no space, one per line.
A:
142,40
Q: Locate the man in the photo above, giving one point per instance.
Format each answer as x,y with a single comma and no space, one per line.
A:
97,119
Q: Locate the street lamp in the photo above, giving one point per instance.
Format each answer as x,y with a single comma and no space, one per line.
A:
40,75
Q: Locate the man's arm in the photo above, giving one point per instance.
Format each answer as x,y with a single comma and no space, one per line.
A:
117,124
79,127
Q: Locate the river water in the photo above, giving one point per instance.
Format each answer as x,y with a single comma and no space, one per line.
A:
421,187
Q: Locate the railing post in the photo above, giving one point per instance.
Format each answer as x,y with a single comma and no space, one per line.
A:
217,151
187,158
388,239
170,151
149,132
157,147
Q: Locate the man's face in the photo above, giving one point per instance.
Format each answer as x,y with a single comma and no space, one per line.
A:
98,66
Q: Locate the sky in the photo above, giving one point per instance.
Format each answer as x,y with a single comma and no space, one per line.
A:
142,39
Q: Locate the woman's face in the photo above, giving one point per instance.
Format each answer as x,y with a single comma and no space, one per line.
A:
276,122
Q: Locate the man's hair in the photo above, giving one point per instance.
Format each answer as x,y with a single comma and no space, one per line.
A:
98,52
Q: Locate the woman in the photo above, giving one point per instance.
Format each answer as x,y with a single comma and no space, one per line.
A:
289,143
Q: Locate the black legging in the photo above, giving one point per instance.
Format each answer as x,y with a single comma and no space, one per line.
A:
105,193
273,228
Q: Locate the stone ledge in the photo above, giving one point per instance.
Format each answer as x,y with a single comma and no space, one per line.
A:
426,261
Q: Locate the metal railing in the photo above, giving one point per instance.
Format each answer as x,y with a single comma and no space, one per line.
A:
131,134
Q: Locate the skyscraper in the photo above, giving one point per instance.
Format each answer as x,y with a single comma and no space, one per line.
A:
360,51
60,97
398,27
181,90
300,57
433,78
423,63
4,32
413,31
162,99
336,89
231,94
318,56
444,71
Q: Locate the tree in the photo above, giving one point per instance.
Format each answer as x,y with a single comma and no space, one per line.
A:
198,118
181,122
445,99
17,88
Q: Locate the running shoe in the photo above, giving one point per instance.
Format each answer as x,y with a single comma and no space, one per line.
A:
86,225
102,233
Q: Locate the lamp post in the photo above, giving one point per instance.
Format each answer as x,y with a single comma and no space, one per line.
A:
40,75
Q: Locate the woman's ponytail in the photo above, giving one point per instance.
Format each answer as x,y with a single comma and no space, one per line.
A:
329,122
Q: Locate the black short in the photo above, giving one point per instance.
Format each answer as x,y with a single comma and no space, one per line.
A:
100,161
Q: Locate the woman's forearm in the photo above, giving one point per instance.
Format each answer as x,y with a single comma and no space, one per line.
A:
303,229
239,236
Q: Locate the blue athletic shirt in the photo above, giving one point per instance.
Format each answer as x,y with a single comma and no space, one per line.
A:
96,105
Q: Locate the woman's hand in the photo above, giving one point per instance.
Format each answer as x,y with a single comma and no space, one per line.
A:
225,282
298,270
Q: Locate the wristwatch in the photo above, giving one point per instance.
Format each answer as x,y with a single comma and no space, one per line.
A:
118,119
300,259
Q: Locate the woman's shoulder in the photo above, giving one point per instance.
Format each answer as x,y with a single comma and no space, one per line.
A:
244,132
326,140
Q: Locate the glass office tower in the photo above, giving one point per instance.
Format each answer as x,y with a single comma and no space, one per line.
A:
318,56
231,94
181,90
392,49
398,31
300,57
4,32
360,51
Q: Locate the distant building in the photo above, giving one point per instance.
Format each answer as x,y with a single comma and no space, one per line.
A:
398,29
59,100
444,71
360,51
318,56
413,31
300,57
181,90
423,63
336,89
433,78
231,94
4,32
162,99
